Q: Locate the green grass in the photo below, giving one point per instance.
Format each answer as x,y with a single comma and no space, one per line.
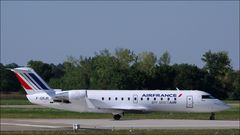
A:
14,98
15,102
12,95
129,132
232,101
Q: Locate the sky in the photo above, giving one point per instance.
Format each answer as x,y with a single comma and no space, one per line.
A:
52,31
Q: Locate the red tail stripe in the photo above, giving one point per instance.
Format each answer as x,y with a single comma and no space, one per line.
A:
24,84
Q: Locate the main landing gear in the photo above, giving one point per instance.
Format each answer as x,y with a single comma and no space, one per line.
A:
118,116
212,116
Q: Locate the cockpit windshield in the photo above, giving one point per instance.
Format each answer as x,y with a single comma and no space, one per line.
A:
207,97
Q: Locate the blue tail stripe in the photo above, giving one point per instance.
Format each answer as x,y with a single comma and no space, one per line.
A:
31,80
38,81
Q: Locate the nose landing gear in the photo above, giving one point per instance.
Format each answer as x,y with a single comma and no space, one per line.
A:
212,116
117,117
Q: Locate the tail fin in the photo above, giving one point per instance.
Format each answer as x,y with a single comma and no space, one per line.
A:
30,80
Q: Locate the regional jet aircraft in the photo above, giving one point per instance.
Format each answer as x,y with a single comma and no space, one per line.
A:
116,102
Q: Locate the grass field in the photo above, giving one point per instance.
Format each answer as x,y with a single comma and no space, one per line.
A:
15,102
129,132
232,114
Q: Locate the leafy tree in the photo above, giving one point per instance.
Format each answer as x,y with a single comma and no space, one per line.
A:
126,57
57,71
8,81
134,79
233,82
163,78
236,86
104,52
165,58
147,62
72,75
43,69
217,63
188,76
104,71
126,70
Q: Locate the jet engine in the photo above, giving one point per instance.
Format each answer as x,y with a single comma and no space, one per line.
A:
68,96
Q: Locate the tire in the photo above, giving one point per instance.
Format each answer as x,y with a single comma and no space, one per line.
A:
212,116
117,117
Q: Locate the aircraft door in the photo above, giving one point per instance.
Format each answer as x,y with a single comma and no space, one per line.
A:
189,102
135,99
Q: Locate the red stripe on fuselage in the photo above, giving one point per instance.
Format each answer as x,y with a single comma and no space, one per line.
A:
24,84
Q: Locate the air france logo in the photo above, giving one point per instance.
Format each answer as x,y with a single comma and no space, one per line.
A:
159,95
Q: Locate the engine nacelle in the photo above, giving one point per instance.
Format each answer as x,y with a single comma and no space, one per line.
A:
77,94
68,96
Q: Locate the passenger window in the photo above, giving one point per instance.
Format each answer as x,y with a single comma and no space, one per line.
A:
135,98
147,98
141,98
207,97
161,98
109,98
122,98
102,98
168,99
154,98
115,98
128,98
175,98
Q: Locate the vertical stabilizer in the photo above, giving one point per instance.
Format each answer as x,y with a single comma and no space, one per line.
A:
30,80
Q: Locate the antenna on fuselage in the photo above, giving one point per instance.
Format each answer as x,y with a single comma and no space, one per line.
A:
177,88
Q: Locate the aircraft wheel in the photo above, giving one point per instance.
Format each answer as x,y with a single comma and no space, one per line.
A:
117,117
212,116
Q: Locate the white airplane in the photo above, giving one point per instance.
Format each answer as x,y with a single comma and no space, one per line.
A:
116,101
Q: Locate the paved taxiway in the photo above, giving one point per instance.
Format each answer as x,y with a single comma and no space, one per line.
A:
66,124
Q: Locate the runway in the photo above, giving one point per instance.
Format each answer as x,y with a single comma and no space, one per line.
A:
66,124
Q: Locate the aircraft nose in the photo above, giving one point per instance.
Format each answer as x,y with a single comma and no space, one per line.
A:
226,106
221,106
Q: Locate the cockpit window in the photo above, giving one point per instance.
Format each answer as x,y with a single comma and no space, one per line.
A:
207,97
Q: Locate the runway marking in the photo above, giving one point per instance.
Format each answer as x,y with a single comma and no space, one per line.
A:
30,125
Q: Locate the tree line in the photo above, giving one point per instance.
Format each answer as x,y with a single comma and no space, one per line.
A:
124,69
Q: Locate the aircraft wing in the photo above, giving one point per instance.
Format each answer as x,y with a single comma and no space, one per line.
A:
137,108
132,109
100,105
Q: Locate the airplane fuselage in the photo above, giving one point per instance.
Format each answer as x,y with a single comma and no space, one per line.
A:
115,101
